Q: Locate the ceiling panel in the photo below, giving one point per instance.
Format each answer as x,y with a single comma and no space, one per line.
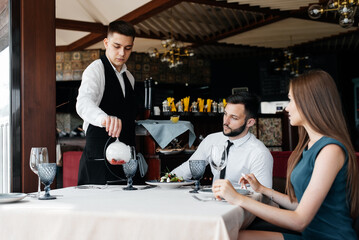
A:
276,4
285,33
231,26
64,37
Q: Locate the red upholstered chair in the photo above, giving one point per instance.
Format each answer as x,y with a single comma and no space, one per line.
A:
71,161
280,160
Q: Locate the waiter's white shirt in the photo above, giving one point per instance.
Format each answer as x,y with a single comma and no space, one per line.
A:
247,155
91,92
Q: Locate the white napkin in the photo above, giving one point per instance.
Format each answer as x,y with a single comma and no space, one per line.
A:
58,155
142,164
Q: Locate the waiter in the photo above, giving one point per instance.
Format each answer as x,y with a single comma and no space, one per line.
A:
106,102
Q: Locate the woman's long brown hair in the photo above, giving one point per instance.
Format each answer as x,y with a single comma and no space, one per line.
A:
318,102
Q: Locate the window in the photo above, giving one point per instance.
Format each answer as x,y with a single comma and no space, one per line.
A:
4,121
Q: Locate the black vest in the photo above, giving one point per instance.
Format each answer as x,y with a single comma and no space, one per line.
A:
113,103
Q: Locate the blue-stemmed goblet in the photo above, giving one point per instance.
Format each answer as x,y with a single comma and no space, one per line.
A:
47,173
130,169
197,168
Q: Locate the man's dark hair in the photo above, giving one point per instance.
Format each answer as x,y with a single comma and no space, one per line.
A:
250,102
121,27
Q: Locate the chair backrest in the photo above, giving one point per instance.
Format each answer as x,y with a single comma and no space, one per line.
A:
71,161
280,160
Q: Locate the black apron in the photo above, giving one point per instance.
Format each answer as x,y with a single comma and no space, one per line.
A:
92,169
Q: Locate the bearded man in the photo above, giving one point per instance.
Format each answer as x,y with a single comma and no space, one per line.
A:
246,154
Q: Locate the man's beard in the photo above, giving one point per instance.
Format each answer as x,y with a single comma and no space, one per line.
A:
235,132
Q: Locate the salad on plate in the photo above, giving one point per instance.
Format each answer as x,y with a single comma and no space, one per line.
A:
171,177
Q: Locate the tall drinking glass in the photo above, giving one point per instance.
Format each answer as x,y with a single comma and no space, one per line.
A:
38,155
218,157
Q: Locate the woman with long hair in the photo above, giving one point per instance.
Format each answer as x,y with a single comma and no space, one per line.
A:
322,174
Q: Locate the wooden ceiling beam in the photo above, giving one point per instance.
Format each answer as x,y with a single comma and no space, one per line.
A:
148,10
80,26
62,48
138,15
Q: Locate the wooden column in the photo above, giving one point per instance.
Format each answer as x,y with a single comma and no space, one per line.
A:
38,85
152,159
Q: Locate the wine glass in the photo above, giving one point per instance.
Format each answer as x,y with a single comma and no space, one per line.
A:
38,155
47,173
197,168
218,157
130,169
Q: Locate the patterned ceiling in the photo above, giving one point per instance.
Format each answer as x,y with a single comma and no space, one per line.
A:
213,28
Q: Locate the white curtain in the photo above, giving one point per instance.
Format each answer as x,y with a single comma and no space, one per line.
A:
4,121
4,158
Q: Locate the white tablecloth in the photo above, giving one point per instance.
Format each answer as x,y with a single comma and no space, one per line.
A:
113,213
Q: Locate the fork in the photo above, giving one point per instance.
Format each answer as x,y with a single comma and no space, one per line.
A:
203,200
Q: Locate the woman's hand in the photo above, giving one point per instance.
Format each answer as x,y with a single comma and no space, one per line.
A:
251,180
222,188
113,125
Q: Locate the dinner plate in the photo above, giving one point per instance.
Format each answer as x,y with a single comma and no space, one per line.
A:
189,150
11,197
169,185
170,151
208,191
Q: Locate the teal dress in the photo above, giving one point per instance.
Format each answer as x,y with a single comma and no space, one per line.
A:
332,220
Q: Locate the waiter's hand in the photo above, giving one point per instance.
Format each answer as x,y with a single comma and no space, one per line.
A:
113,125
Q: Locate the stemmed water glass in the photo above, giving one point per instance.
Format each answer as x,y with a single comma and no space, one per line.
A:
130,169
197,168
218,157
47,173
38,155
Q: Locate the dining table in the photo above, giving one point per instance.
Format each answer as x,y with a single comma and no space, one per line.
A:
110,212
